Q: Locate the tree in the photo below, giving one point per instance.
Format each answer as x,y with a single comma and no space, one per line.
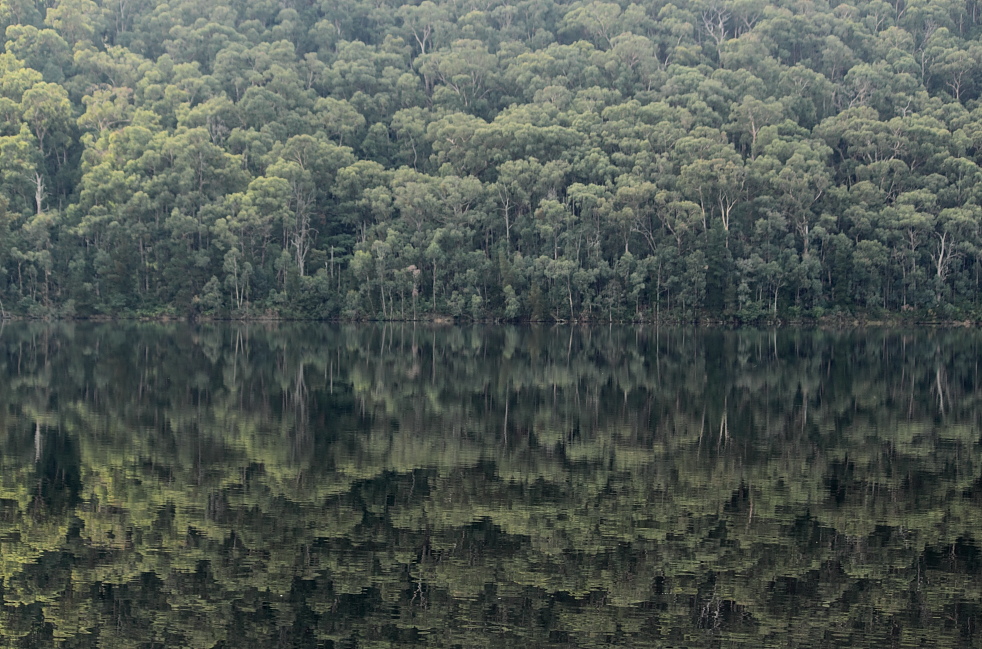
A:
76,20
466,71
40,49
339,118
237,277
478,140
716,184
422,22
19,165
599,20
48,112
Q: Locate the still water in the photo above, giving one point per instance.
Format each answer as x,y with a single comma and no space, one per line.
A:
387,486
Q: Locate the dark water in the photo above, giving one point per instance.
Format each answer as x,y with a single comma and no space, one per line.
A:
326,486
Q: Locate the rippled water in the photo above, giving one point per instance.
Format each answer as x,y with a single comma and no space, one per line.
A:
341,486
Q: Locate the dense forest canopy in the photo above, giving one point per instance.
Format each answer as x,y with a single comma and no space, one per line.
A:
537,159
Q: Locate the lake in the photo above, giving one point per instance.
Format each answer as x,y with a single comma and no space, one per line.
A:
321,485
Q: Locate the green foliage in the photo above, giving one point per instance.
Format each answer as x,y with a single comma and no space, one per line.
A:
754,159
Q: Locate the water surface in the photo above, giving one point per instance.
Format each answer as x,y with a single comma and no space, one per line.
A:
383,486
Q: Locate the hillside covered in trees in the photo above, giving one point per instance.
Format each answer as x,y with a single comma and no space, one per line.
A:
521,159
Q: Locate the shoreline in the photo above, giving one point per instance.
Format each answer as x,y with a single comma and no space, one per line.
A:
707,322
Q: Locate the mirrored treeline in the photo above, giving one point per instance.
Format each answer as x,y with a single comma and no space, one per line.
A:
297,485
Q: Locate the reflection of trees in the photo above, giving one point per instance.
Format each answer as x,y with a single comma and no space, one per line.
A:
298,484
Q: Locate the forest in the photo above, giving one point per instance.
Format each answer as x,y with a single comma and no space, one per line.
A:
732,160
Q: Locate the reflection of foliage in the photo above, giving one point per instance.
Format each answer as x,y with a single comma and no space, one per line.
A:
298,485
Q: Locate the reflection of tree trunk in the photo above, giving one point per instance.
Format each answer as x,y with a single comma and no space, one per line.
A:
724,429
504,428
299,399
38,442
804,410
941,387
